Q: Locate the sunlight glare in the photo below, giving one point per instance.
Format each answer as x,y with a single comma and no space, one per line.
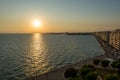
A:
37,23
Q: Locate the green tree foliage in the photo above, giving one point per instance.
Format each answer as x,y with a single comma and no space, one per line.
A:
91,76
118,66
86,69
70,72
114,64
105,63
112,77
96,61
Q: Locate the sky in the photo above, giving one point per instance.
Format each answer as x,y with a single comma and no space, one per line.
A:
16,16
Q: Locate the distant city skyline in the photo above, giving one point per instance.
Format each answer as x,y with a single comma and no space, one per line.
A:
16,16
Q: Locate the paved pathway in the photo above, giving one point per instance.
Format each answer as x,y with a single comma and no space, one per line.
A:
52,75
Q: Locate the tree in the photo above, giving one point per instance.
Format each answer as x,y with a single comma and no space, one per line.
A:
84,71
113,64
96,61
70,72
105,63
112,77
91,76
118,66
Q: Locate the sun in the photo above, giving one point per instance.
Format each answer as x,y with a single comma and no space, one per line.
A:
37,23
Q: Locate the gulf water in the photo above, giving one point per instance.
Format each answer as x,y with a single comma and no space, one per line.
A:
23,55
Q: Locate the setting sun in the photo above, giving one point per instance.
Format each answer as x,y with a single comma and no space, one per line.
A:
37,23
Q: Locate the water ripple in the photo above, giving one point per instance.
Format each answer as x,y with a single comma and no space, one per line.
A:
23,55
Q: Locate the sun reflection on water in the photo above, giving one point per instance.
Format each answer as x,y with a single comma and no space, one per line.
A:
37,40
37,56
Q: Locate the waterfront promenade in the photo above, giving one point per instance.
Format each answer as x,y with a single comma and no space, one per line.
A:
110,52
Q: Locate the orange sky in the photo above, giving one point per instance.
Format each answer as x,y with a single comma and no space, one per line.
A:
59,15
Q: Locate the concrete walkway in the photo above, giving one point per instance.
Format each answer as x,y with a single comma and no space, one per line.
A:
52,75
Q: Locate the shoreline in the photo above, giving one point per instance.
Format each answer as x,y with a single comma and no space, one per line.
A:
58,73
61,69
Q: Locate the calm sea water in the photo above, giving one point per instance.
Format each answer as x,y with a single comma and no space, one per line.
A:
23,55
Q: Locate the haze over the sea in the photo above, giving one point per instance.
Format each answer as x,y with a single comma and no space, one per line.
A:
16,16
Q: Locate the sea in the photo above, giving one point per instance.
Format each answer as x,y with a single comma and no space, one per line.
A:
25,55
